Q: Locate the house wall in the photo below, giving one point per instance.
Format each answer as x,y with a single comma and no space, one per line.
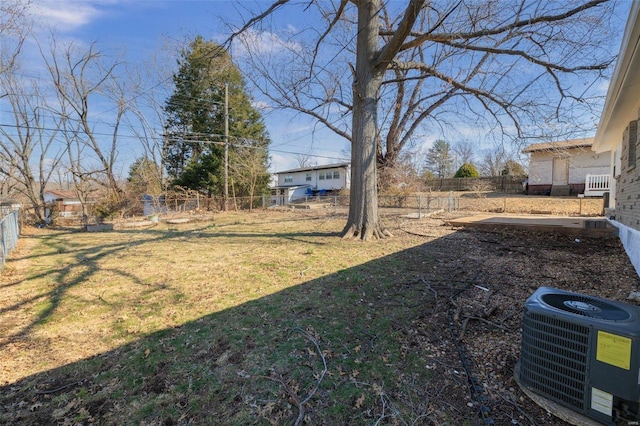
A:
630,239
582,162
315,180
627,202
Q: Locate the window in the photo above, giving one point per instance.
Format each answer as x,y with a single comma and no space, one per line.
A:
632,139
288,179
336,174
308,177
321,175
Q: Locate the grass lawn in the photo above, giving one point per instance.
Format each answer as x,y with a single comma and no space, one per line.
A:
270,318
258,318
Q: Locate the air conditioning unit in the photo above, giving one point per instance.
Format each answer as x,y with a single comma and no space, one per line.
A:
583,352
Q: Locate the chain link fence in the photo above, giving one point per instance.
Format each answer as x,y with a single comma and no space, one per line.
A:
10,232
401,204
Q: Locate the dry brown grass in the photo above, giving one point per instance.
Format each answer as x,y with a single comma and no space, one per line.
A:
230,320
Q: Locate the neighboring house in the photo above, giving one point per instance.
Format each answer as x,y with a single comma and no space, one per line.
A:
65,203
567,168
618,134
303,182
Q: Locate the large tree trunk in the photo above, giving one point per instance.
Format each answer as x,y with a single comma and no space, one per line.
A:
364,218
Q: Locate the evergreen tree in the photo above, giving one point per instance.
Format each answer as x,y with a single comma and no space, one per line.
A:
194,145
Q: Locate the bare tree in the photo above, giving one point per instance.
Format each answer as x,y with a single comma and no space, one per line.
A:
14,27
146,118
464,153
303,160
81,79
508,67
29,153
493,160
146,113
248,168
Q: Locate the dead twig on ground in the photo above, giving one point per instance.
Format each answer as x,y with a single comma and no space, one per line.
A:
431,289
301,403
294,397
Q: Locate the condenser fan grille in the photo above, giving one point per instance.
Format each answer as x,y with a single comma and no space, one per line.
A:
554,358
585,306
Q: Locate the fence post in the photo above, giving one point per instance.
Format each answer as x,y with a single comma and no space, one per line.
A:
419,206
4,242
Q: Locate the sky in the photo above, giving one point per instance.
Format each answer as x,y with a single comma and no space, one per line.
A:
137,30
140,29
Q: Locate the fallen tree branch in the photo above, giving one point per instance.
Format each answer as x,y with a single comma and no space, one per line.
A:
58,389
300,404
431,289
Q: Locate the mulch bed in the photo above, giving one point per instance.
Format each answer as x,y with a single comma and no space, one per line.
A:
480,282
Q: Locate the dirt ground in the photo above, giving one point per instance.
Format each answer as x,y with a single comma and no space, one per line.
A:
500,269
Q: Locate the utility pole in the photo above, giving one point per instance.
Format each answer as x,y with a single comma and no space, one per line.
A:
226,146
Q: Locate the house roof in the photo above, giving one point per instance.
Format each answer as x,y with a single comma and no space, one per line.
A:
562,145
622,102
61,193
308,169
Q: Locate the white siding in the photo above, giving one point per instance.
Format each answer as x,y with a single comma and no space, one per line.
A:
540,168
587,162
300,179
582,162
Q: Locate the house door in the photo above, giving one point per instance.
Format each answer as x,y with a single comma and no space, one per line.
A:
560,171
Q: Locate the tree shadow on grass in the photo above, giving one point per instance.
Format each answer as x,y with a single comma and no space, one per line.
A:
83,263
367,344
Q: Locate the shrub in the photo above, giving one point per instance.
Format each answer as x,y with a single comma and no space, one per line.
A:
467,170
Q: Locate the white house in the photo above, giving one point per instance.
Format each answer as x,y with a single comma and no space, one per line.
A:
303,182
567,168
618,134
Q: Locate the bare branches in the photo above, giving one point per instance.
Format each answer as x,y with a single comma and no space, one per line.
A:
429,71
255,19
516,24
330,27
546,64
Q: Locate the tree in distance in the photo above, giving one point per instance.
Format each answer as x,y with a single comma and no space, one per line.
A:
385,74
467,170
513,168
195,130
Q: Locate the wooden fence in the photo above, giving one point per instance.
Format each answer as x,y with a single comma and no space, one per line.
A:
511,184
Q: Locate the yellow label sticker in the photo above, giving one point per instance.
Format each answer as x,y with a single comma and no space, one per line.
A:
613,349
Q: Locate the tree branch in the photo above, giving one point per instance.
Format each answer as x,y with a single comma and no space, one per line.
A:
442,37
255,19
389,51
530,58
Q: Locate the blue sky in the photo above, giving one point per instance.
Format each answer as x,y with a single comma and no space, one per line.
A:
135,30
139,29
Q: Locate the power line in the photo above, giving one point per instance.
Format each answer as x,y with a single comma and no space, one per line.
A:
195,140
